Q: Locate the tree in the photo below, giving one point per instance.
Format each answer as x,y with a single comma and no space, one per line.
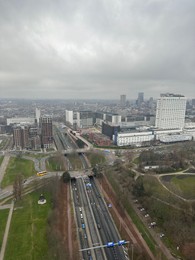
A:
138,189
66,177
18,186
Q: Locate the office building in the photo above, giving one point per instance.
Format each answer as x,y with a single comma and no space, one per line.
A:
140,98
170,111
37,116
46,131
86,119
123,100
20,120
133,138
21,137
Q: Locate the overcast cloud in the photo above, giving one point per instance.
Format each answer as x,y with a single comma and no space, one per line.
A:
96,48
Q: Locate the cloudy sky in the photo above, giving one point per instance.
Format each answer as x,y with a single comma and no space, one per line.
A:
96,48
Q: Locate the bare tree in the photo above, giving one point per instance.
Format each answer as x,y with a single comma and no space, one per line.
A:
18,186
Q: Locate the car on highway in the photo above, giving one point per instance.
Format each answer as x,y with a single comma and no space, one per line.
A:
98,225
81,216
83,226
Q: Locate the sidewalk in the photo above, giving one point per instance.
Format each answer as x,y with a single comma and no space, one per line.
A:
4,243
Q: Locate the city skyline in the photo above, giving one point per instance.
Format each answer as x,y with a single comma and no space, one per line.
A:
70,51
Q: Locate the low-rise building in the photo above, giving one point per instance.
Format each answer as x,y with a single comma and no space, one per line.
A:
133,138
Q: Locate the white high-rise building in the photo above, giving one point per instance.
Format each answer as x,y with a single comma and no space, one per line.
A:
170,111
38,115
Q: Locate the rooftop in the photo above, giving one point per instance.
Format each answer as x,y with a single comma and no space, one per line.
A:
171,95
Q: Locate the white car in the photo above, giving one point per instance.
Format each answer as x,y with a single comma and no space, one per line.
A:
146,216
142,209
162,235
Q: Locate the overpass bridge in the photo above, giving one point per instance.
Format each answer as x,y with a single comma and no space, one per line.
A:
77,150
81,173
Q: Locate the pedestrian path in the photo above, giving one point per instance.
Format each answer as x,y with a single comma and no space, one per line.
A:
2,253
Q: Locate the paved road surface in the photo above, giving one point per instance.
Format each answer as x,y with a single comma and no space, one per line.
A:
6,232
4,166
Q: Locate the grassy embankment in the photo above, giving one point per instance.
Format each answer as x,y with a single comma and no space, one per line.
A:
1,159
55,163
169,211
75,161
17,166
3,217
35,155
95,158
136,220
27,236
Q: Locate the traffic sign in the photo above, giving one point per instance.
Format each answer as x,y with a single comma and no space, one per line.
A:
110,244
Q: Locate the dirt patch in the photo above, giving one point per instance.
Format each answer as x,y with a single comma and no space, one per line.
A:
188,250
62,228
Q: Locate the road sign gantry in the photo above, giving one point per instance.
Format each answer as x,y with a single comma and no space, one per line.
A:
108,245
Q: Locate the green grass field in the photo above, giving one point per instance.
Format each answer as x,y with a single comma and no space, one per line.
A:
17,166
3,220
27,236
154,187
183,185
1,159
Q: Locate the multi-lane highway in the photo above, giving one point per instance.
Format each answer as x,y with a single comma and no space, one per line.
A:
96,230
87,229
95,225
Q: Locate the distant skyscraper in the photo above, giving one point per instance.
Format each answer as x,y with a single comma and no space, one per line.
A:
46,131
123,100
140,99
37,115
170,111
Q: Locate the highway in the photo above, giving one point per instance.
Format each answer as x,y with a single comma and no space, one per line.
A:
95,225
108,230
99,228
87,229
